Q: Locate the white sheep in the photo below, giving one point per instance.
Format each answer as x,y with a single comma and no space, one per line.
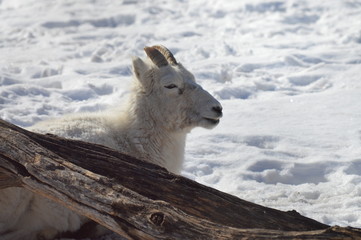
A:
165,104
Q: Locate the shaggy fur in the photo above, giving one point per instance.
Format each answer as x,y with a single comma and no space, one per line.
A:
165,104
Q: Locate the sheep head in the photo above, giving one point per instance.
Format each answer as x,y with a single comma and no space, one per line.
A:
170,94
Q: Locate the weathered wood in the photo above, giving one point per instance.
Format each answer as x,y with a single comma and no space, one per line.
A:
139,200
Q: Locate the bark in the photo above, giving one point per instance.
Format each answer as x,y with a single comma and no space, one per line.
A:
139,200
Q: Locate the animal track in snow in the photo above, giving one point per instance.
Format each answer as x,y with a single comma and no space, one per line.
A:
303,80
354,168
276,6
110,22
264,142
273,172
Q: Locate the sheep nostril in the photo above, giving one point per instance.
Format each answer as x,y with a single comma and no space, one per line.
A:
217,109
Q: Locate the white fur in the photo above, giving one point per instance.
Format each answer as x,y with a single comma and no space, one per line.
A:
165,104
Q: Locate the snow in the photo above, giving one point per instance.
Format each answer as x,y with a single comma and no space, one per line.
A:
288,74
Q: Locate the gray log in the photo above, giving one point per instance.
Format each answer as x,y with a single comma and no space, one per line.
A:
139,200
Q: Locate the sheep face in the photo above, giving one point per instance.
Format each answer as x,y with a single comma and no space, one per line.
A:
172,96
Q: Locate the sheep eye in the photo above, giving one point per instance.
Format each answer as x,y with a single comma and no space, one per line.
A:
170,86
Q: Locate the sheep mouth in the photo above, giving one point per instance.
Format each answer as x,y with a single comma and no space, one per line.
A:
212,120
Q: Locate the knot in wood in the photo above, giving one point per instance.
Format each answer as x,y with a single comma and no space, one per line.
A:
157,218
294,213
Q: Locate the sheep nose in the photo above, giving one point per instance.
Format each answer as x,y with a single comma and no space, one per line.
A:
218,109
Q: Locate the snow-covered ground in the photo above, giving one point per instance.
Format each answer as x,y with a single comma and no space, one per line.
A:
288,74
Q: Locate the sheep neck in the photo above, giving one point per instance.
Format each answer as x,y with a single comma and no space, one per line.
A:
153,142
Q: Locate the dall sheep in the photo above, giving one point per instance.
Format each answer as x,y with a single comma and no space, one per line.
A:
165,104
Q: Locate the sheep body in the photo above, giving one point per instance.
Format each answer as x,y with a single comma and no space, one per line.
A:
164,106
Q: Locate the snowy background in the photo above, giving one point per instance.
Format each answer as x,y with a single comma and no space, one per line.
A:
288,74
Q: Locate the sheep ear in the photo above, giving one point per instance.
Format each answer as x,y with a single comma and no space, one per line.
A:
141,72
139,68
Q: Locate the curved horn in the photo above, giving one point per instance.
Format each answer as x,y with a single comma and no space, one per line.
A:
156,56
167,54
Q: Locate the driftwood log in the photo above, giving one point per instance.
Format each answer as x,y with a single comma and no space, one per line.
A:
139,200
